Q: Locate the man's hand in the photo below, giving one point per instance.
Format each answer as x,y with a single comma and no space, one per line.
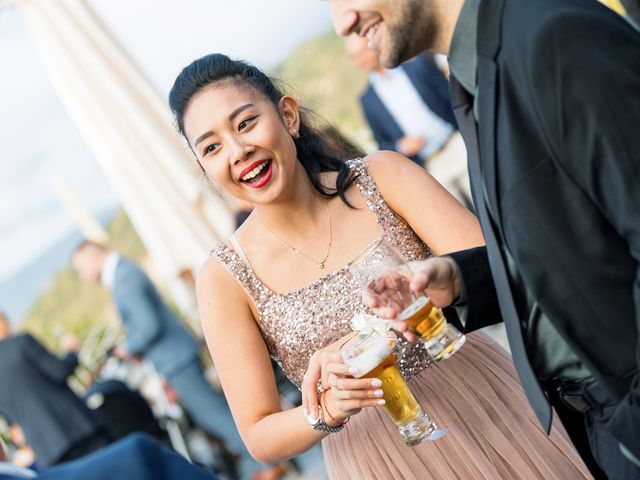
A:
410,146
438,278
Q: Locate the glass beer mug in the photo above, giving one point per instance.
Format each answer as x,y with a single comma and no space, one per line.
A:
380,262
372,354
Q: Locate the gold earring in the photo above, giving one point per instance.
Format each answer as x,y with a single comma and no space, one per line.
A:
295,134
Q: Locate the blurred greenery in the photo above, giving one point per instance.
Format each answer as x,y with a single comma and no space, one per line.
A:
319,75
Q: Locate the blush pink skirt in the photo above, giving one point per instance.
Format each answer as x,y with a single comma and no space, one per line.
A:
493,435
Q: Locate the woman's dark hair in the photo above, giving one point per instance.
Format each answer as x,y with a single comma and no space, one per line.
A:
319,149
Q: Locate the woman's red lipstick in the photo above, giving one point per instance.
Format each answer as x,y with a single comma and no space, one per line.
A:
266,174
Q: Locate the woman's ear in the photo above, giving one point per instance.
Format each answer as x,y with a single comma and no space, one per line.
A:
290,115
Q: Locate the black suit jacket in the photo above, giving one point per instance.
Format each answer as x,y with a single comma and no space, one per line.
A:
559,151
34,394
432,87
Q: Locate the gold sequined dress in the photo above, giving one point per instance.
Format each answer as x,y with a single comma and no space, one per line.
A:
475,394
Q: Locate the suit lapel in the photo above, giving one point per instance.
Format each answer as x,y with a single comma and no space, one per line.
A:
468,127
462,103
489,42
481,154
486,103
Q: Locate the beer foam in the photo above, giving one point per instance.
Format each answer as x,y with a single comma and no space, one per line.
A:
362,322
368,359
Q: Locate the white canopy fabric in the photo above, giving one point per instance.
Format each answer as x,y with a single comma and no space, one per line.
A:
88,225
129,129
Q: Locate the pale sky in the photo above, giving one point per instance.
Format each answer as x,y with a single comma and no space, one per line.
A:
38,142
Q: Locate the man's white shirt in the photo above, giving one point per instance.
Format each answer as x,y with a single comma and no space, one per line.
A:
398,94
108,274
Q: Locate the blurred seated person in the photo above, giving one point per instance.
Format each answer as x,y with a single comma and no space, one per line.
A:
135,457
57,425
409,111
156,334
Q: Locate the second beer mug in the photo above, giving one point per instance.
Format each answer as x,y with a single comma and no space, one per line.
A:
373,356
381,265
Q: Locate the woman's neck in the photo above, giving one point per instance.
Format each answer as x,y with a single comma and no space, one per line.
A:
301,211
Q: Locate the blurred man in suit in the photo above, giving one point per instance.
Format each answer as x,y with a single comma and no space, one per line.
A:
409,111
155,333
34,394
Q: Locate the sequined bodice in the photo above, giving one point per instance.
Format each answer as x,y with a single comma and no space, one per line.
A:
294,325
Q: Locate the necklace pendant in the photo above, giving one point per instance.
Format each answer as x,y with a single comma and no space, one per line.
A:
321,264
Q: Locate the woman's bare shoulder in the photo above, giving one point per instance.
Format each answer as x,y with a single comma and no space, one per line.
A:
215,283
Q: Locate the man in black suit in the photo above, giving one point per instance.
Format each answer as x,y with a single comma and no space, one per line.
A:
547,96
34,394
408,110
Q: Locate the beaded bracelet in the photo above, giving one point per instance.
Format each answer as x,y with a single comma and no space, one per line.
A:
323,403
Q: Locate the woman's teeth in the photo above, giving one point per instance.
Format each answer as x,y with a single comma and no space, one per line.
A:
254,172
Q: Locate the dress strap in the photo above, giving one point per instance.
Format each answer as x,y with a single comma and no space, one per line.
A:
373,198
237,264
394,228
236,246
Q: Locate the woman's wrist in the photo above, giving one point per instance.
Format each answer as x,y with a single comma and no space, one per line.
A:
333,418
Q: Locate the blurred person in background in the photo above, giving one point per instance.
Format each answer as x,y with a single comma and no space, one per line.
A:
156,334
136,457
409,111
57,425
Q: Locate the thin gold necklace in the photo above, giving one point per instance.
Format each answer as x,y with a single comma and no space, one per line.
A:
320,264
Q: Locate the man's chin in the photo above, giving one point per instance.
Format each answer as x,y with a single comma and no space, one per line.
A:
386,63
390,59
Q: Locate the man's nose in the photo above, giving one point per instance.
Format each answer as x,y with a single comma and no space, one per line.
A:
344,19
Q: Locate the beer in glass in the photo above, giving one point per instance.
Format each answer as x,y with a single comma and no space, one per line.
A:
380,267
372,354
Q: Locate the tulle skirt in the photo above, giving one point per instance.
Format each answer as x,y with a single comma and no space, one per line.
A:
493,435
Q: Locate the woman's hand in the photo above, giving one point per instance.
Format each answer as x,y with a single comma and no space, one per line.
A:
347,395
